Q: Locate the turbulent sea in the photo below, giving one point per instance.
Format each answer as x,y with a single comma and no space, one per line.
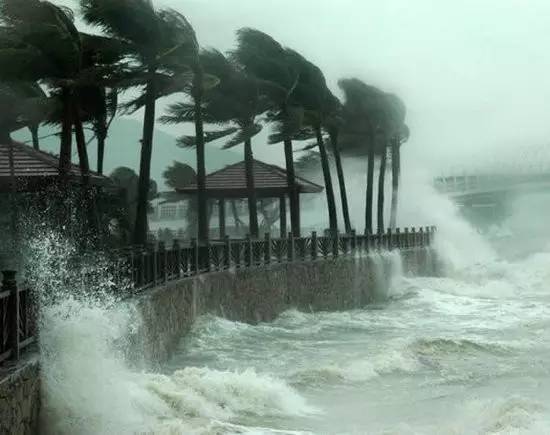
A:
467,353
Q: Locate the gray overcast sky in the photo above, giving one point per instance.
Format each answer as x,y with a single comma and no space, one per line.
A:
475,74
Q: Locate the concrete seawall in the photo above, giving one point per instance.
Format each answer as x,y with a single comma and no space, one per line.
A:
20,397
261,294
248,295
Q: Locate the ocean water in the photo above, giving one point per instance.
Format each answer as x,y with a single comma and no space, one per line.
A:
466,353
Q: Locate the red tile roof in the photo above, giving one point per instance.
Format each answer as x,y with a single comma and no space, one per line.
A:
32,168
232,180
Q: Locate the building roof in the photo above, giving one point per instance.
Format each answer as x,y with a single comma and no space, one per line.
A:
33,169
269,181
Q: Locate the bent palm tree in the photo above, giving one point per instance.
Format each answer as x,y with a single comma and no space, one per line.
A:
264,58
362,118
234,103
41,43
400,134
333,124
154,40
311,93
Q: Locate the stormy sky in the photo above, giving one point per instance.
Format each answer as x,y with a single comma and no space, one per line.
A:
475,74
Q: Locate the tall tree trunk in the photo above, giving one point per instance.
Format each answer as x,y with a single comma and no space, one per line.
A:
65,150
34,134
202,202
333,221
370,188
250,190
101,135
292,189
395,175
140,228
84,164
341,180
381,184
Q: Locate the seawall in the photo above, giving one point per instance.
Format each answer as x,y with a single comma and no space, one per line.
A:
20,397
260,294
251,295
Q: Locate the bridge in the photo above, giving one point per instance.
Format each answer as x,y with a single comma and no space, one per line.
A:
472,189
486,198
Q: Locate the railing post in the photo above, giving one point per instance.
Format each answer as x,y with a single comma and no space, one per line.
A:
154,262
314,245
427,236
389,240
142,266
398,238
353,241
406,237
9,284
195,259
267,249
335,245
177,258
421,238
227,252
163,262
290,247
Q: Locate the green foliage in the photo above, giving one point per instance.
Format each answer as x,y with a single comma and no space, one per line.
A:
179,175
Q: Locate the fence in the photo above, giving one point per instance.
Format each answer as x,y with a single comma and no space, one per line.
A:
17,319
156,264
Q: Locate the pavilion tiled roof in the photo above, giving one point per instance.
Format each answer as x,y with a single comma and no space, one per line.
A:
32,168
267,177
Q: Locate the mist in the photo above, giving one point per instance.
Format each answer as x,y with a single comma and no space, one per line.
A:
473,74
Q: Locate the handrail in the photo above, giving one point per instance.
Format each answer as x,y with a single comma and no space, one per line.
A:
156,264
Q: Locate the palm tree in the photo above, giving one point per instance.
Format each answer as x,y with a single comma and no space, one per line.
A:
400,134
22,104
156,40
311,93
392,130
358,135
381,187
235,103
41,43
333,124
264,58
100,99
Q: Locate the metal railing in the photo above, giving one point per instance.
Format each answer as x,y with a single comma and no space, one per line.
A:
155,265
17,318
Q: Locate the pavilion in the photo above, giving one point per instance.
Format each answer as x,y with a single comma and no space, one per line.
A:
24,169
270,181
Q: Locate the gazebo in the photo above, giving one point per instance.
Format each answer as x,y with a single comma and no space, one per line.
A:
24,169
270,181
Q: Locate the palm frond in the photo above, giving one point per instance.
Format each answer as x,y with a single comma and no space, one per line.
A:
209,136
134,21
243,135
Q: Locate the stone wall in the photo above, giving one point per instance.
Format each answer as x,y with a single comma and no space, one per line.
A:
20,398
259,295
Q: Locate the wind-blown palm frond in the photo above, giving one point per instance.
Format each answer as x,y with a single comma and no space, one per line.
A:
209,136
134,21
243,135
